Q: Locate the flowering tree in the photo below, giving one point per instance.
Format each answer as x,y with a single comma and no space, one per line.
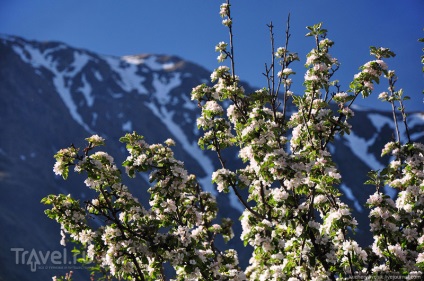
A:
294,217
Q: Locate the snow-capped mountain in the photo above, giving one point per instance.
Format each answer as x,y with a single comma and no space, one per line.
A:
52,95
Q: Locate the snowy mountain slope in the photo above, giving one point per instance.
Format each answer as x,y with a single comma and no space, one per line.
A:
52,95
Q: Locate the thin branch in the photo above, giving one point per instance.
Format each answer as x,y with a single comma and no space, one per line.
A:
286,87
271,34
395,120
405,123
230,29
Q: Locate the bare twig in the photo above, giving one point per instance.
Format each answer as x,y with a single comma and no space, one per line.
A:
230,29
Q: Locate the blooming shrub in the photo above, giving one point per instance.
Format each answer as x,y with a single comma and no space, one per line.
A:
296,222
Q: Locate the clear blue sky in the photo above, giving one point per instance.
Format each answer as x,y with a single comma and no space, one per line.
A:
191,28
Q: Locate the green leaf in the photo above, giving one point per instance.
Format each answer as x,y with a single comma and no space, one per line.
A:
46,200
65,173
124,139
76,251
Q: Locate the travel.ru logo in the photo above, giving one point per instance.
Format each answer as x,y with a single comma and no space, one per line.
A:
46,259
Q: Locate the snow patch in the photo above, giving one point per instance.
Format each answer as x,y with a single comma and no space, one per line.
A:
130,80
145,177
80,60
162,88
127,126
331,148
349,194
388,190
98,75
168,66
359,148
378,121
187,117
416,119
152,63
133,59
116,95
196,130
357,107
86,91
188,103
48,52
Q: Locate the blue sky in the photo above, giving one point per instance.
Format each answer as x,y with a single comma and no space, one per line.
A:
191,29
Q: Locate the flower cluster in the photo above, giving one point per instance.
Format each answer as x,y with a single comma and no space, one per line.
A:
64,158
225,14
370,73
222,49
397,225
132,241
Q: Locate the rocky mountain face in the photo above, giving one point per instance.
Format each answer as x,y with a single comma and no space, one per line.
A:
52,95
